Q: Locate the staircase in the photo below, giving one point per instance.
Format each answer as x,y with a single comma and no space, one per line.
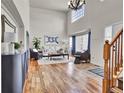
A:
113,65
118,89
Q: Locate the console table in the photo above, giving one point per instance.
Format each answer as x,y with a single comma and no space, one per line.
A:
14,69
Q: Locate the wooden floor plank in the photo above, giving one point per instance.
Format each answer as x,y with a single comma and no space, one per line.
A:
62,78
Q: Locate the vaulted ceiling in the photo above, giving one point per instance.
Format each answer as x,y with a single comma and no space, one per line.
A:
59,5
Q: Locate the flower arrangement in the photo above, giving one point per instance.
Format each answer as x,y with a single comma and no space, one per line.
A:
36,42
16,45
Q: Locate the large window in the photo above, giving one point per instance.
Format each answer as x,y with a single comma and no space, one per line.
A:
81,43
108,33
77,14
70,44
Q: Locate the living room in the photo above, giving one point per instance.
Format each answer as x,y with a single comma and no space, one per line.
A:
41,17
51,40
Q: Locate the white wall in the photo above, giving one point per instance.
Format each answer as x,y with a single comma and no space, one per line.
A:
23,9
47,22
98,15
116,27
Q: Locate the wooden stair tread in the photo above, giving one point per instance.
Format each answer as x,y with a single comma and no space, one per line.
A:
120,83
116,90
121,79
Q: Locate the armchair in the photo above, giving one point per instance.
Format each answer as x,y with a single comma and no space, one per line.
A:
34,54
85,56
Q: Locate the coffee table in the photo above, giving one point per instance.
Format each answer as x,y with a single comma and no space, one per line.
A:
56,55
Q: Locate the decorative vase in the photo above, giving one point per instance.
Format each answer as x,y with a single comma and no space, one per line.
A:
16,51
11,48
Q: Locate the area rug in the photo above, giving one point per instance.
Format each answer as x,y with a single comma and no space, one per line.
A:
55,60
98,71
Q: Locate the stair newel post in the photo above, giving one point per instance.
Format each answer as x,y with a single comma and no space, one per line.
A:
106,56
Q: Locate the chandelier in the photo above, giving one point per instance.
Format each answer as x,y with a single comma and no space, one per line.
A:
76,4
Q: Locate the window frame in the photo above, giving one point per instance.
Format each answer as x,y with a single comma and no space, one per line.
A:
77,14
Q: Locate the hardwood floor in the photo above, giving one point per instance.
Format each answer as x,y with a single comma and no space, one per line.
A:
62,78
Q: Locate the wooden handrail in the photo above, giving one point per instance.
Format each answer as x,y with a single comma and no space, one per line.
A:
116,37
112,61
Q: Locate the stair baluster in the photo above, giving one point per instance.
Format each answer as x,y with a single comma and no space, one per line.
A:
113,61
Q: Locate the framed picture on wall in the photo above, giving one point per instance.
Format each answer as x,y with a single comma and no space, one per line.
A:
8,30
51,40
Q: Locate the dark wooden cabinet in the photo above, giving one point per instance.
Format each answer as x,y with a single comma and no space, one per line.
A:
14,68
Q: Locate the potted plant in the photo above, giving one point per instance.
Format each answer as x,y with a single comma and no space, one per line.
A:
16,46
36,43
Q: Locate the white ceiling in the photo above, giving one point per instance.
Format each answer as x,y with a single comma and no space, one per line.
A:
59,5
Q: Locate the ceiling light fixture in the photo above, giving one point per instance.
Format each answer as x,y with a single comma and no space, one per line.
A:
76,4
101,0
